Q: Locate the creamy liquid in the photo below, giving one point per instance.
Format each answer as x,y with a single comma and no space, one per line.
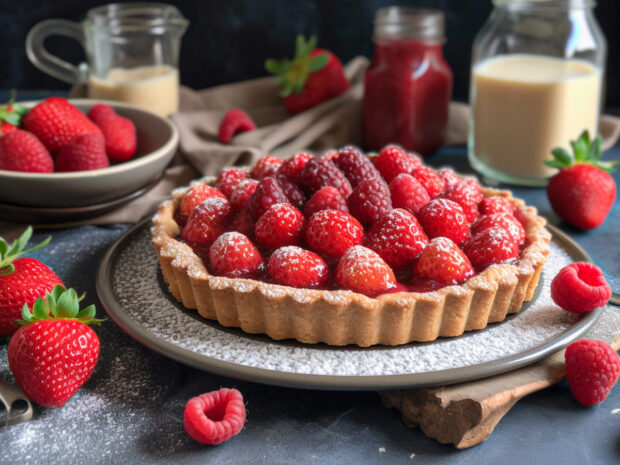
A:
155,88
525,105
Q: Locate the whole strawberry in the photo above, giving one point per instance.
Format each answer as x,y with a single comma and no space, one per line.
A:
54,352
583,192
22,280
314,75
119,132
56,122
84,153
22,151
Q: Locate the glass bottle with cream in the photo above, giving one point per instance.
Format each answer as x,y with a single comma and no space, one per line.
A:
536,83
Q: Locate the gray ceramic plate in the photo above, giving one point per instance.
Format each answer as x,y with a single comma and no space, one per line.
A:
157,142
135,296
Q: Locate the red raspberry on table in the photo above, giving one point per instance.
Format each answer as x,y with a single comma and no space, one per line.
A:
444,218
592,369
234,122
233,255
393,161
326,198
297,267
119,132
242,193
408,193
363,270
355,165
242,222
321,172
432,182
444,262
467,196
229,179
266,166
492,245
370,200
503,221
208,220
282,224
293,193
397,237
214,417
267,193
490,205
291,169
332,232
580,287
84,153
193,196
449,176
22,151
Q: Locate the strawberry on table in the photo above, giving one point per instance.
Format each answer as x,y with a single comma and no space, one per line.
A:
54,351
583,192
22,151
119,132
22,280
312,77
83,153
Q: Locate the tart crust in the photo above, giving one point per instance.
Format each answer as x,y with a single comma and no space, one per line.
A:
341,317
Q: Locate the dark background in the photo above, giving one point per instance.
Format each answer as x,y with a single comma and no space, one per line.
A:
229,40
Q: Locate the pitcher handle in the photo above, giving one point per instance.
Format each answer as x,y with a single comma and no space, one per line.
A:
45,61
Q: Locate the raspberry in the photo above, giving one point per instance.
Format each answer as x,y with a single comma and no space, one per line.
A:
592,369
266,166
320,172
449,176
431,181
503,221
355,166
408,193
296,267
242,193
370,200
267,193
293,193
242,222
397,237
292,168
214,417
364,271
492,245
331,232
207,221
228,180
326,198
393,161
233,255
193,197
466,195
282,224
490,205
234,122
580,287
444,218
444,262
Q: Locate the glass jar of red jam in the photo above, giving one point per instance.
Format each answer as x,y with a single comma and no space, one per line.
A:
408,84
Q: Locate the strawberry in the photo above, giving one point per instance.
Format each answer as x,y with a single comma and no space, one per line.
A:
313,76
332,232
193,196
281,225
234,122
467,194
297,267
489,246
432,182
266,166
22,280
355,165
449,177
242,193
490,205
54,352
370,200
119,132
583,192
11,115
56,123
397,237
208,220
364,271
408,193
393,160
228,180
326,198
85,152
267,193
233,255
22,151
504,221
291,169
321,172
444,262
443,217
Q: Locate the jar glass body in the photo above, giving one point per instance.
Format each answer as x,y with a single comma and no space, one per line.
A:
536,83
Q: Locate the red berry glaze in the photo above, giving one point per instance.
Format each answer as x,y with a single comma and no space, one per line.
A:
297,267
229,179
444,262
233,255
444,218
393,161
363,270
195,195
326,198
332,232
268,192
282,224
370,200
321,172
214,417
234,122
408,193
266,166
492,245
580,287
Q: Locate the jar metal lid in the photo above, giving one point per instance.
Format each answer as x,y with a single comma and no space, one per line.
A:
399,21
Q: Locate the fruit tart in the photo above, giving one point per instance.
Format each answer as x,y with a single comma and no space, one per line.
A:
349,249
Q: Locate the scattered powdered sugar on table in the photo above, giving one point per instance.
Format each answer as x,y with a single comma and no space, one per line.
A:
144,297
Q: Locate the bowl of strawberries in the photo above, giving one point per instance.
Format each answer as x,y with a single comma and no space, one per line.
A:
66,153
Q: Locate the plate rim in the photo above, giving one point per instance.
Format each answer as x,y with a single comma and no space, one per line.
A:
331,382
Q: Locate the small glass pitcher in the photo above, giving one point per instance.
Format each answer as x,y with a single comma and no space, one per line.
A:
132,51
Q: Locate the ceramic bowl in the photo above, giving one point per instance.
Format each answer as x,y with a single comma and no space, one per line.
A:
157,137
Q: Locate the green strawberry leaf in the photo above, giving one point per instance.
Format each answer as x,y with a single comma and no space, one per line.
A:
318,62
12,118
586,150
580,148
67,304
562,156
3,247
20,109
596,150
19,244
40,309
277,66
7,270
26,315
86,313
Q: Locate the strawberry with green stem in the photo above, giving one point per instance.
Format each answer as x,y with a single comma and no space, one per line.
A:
11,115
313,76
54,351
583,191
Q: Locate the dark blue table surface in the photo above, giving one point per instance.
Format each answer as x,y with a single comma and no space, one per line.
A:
130,411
